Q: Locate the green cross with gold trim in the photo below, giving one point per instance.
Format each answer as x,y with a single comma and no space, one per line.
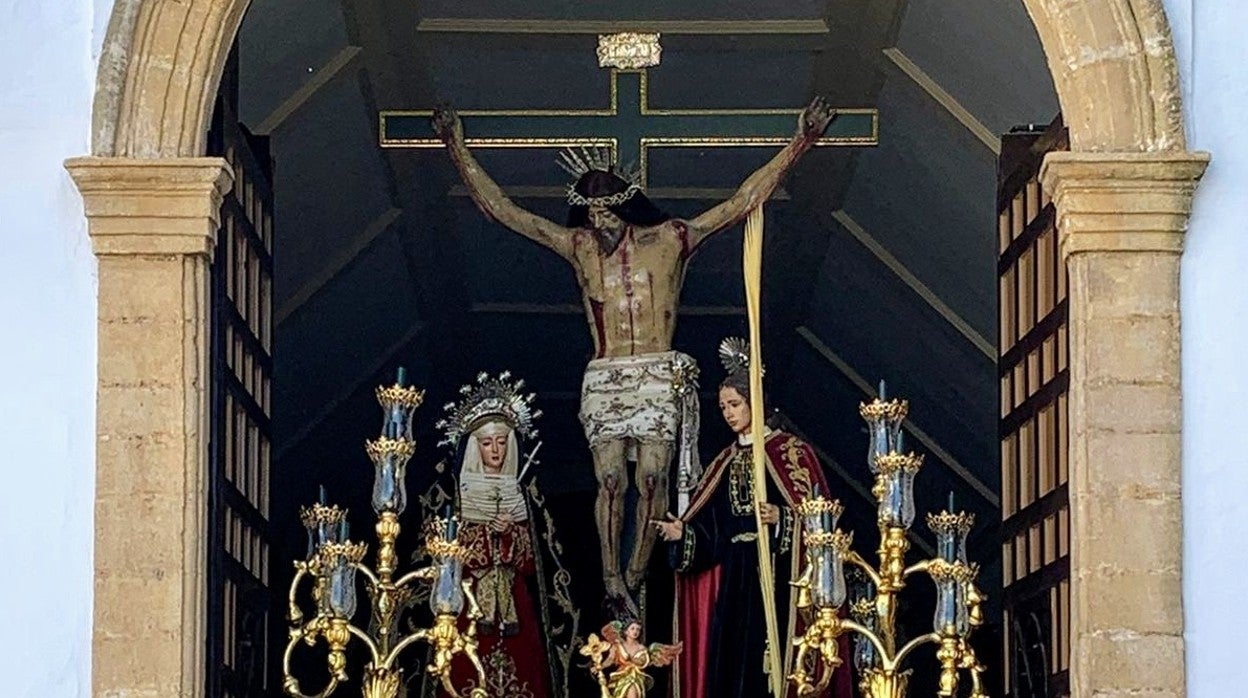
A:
630,127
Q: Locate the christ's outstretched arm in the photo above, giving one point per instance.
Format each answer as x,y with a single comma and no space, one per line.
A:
758,186
490,198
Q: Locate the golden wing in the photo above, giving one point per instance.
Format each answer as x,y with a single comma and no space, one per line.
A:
663,655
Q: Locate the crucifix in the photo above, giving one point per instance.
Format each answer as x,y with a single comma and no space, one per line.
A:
628,126
629,258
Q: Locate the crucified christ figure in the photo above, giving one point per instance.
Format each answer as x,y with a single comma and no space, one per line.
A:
629,258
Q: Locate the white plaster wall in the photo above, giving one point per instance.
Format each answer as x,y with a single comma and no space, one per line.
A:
47,348
1214,60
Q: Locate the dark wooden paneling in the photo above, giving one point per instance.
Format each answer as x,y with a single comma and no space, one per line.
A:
1034,382
243,628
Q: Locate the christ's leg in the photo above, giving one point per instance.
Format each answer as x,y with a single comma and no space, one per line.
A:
654,460
610,467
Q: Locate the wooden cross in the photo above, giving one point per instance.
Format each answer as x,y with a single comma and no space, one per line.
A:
629,126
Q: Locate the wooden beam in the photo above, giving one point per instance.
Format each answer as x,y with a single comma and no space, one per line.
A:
369,375
575,309
985,135
895,265
928,442
318,80
654,193
343,257
471,25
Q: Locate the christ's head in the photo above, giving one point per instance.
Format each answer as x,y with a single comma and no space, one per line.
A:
609,221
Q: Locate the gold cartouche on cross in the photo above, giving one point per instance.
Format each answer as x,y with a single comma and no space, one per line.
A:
822,590
333,562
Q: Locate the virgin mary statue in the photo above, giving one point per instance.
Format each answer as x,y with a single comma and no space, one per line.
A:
511,555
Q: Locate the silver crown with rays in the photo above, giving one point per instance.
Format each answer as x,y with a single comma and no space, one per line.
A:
734,354
578,162
487,399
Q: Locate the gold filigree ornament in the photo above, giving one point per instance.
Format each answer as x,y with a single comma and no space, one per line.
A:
893,463
399,396
351,552
953,524
488,399
384,447
818,506
316,514
877,409
629,50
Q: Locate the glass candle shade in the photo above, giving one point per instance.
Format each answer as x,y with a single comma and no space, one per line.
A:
389,458
447,594
896,476
827,557
951,531
951,618
890,504
907,496
398,402
323,525
389,489
866,656
883,427
342,598
337,582
819,515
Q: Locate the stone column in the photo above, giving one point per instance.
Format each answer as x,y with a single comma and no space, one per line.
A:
152,224
1121,220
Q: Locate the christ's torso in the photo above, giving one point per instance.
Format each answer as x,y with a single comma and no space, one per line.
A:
630,295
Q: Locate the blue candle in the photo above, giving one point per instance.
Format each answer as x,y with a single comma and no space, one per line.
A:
322,494
343,529
402,377
950,501
882,393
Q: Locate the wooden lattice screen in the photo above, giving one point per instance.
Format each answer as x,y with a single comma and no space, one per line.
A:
1034,428
241,625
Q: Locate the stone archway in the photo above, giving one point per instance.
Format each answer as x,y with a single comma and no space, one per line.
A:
1123,196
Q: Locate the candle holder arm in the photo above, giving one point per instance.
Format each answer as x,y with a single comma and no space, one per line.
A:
854,558
337,632
912,645
424,574
368,574
866,632
295,614
291,685
916,568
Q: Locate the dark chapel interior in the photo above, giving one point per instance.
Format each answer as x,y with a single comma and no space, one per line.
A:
880,263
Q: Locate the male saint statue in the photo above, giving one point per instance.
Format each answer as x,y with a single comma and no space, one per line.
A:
629,259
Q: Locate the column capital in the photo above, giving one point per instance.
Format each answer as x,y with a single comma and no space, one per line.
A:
1124,202
159,206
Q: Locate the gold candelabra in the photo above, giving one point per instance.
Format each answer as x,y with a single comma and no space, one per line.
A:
822,591
333,562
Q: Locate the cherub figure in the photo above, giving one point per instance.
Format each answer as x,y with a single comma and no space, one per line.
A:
621,650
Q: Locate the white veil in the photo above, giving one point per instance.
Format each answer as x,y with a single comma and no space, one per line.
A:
482,495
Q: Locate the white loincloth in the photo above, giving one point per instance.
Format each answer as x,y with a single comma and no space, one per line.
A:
635,397
630,397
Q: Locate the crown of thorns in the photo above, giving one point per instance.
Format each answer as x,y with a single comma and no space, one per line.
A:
579,162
